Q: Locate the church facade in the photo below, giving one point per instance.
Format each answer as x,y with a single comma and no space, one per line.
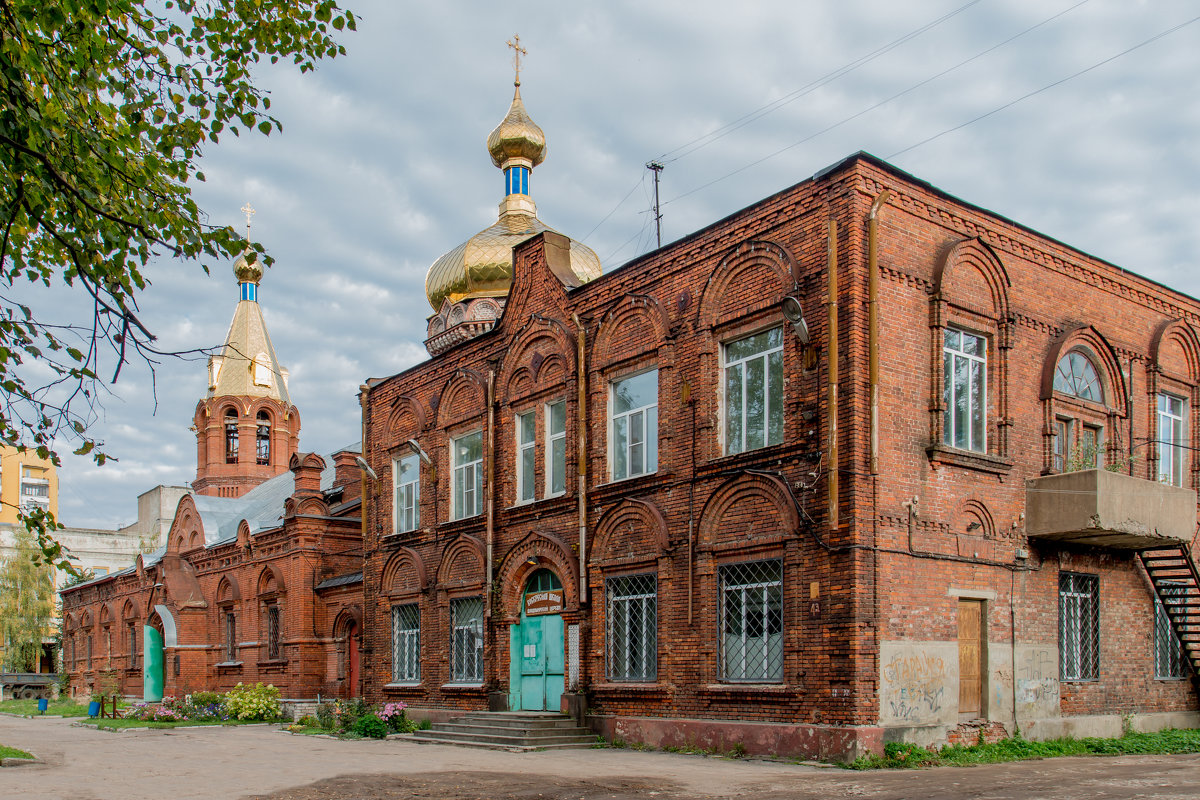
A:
858,463
260,575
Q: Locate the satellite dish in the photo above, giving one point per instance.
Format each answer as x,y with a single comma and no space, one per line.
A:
794,313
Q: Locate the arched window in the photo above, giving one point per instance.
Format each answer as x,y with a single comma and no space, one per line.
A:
262,439
231,436
1076,375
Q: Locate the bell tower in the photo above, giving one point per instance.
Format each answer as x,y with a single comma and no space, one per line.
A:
246,427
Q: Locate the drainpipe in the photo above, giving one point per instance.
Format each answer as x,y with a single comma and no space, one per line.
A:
873,317
581,438
831,304
491,489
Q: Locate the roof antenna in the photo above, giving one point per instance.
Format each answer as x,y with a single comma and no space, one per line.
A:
657,167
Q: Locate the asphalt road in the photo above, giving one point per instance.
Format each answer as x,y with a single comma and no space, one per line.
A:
263,762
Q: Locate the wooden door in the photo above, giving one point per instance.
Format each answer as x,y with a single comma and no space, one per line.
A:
970,660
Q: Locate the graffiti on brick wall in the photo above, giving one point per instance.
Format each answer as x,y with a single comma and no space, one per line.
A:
915,685
1037,677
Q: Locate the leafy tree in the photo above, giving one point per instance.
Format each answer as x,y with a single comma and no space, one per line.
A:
26,604
105,109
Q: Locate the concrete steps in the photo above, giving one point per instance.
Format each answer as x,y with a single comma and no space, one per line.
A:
510,730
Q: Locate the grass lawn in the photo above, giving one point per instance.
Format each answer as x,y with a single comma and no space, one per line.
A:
899,755
62,707
140,723
12,752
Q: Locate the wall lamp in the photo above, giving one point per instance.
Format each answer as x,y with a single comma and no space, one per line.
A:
365,467
793,312
416,448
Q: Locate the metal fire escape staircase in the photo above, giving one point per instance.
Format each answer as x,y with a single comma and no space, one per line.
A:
1176,581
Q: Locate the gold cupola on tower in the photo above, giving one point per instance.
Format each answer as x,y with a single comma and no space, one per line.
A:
466,287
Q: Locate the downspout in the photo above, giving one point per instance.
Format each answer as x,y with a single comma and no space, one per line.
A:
831,305
581,438
491,489
873,320
363,389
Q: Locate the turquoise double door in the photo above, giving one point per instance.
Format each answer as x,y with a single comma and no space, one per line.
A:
536,661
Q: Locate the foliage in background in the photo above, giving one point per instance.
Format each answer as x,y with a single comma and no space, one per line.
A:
252,702
26,604
105,109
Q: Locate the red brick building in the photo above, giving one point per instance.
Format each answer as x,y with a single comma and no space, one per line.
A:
260,577
819,476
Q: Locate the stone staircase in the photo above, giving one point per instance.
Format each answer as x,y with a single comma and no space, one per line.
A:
509,730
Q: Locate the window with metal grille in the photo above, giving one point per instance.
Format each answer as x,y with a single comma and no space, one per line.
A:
262,439
635,425
754,391
406,644
231,437
1078,626
466,454
133,645
633,628
1169,660
406,495
89,651
274,651
230,636
751,621
964,369
466,640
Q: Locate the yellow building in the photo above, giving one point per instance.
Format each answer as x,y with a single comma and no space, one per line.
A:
26,481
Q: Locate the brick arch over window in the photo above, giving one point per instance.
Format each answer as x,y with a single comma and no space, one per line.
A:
270,580
736,287
406,420
631,531
750,509
105,615
129,611
187,522
461,398
636,324
1175,351
974,513
228,591
971,276
350,615
551,553
404,573
1087,341
462,563
540,356
1091,343
1175,370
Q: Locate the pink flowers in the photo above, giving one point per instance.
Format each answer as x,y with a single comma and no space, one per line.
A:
392,710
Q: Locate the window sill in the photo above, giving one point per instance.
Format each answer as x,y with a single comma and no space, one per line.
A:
274,663
463,687
400,687
631,688
982,462
764,691
229,665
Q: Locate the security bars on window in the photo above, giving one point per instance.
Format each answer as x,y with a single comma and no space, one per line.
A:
633,628
1078,627
466,650
230,637
133,646
273,649
751,622
1169,661
406,644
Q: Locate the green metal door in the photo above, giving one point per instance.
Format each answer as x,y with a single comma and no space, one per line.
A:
153,676
536,672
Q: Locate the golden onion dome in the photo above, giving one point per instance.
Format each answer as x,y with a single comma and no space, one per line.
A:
517,137
247,271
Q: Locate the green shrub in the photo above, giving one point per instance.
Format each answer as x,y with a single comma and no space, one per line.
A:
206,698
309,721
257,702
325,716
371,726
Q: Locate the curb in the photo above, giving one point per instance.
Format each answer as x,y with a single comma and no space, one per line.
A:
18,762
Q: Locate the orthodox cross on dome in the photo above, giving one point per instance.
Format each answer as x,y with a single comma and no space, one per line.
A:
248,210
518,51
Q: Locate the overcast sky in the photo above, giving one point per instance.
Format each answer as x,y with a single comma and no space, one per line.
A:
381,165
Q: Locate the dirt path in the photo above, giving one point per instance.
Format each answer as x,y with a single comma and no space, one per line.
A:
262,762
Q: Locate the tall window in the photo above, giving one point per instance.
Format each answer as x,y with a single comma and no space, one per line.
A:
231,653
89,651
133,645
754,391
1171,431
274,650
633,628
526,451
752,621
635,425
1078,626
406,644
406,493
262,439
964,371
556,448
466,640
1169,661
1075,375
467,455
231,436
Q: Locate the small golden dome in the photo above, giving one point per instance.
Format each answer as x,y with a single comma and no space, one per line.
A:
517,136
246,271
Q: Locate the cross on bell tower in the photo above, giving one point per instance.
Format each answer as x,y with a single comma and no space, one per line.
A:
518,51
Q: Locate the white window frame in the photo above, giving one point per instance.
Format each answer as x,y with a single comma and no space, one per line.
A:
555,441
406,645
406,494
526,456
649,431
974,437
1172,452
741,365
468,480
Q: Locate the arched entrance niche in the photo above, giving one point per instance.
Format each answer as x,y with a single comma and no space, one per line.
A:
347,633
536,646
